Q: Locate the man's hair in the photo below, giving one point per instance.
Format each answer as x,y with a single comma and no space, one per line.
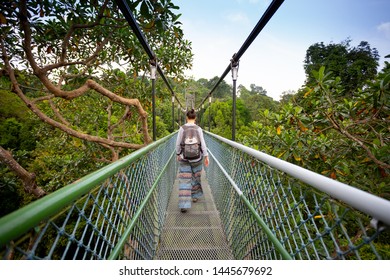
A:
191,114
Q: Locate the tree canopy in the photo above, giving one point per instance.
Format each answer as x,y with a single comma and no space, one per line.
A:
78,67
75,47
75,95
354,65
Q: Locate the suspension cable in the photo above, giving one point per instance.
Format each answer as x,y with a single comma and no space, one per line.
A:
272,8
124,7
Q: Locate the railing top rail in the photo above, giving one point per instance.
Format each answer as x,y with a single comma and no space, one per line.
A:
377,207
32,214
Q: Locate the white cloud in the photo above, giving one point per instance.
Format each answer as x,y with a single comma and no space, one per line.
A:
262,2
238,18
384,28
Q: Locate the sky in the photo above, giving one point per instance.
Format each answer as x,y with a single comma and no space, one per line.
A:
274,61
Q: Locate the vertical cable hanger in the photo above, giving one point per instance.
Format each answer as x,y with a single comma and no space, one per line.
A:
126,11
271,10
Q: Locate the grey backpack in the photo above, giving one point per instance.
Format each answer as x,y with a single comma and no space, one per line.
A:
191,145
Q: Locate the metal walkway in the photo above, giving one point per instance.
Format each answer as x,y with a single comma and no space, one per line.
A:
196,234
268,209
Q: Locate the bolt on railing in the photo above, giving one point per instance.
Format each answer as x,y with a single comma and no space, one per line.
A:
272,209
115,212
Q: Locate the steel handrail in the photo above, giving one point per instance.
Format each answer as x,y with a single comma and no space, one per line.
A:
20,221
378,208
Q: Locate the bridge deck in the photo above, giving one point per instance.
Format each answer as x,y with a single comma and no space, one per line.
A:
196,234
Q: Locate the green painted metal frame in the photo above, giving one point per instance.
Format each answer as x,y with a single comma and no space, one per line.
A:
283,211
116,251
18,222
279,247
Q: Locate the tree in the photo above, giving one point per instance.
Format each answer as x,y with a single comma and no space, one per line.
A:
354,65
345,138
223,91
287,96
256,100
257,90
220,113
74,49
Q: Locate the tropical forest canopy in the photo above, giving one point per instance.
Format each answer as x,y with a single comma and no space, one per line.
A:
75,96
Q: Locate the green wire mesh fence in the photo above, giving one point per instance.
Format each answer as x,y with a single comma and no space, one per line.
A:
118,212
114,213
268,214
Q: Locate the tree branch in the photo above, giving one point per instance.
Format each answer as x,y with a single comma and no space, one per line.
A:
32,106
41,73
27,178
358,141
65,42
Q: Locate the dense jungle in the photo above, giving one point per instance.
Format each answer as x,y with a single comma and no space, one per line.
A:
75,96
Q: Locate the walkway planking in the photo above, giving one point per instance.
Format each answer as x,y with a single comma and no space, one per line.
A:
196,234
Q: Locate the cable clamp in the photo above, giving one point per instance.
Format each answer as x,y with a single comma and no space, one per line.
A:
378,225
234,64
153,68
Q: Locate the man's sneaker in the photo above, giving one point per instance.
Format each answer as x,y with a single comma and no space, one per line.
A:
194,200
183,210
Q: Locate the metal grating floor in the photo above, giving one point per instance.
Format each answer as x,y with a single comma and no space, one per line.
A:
195,235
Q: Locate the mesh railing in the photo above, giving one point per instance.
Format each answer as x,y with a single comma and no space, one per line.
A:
116,212
269,214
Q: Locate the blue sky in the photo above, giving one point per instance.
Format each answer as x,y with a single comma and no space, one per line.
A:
218,28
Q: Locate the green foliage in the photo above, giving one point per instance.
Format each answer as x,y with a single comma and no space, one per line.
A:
10,105
353,65
80,41
9,131
256,100
341,137
51,21
11,196
337,125
59,167
222,92
220,114
17,134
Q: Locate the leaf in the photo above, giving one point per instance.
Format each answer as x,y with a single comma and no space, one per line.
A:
301,126
144,10
321,73
307,93
376,142
3,20
341,172
298,109
176,17
107,12
296,157
149,25
281,154
366,159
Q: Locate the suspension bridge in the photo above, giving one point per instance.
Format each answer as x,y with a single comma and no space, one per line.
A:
255,206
